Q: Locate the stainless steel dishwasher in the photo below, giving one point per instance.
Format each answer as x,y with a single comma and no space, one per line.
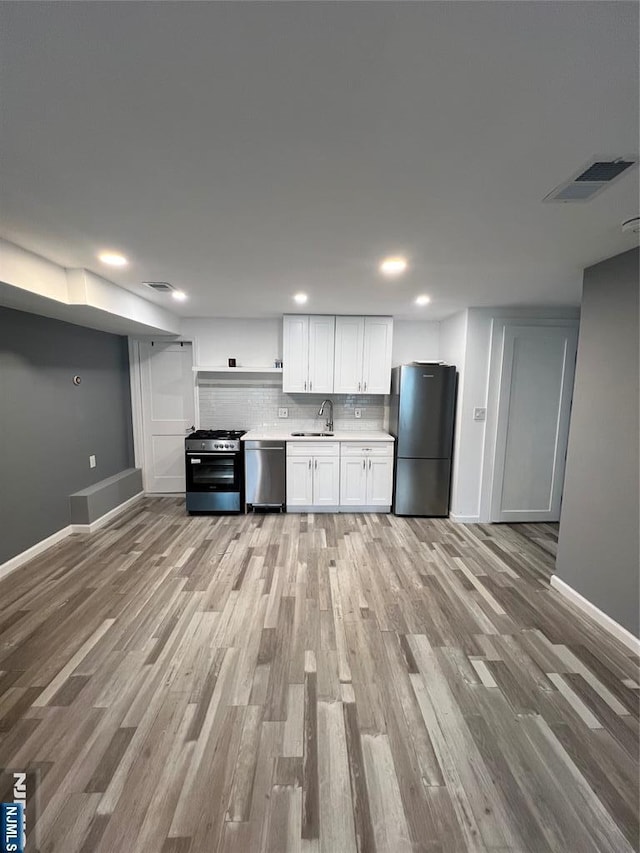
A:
265,474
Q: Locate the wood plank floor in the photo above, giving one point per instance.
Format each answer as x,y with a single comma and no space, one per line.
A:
326,683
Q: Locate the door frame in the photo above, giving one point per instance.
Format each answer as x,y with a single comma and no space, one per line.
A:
135,384
499,325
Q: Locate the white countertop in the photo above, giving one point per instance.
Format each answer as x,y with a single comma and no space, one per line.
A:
284,434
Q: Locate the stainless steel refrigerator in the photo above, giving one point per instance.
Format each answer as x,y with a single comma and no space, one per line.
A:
421,418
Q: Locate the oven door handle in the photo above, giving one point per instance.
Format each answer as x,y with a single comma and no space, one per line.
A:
206,453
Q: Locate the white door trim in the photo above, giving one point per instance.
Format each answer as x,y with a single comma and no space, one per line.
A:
135,383
136,405
496,356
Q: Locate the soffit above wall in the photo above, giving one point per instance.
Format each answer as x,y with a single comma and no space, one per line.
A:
31,283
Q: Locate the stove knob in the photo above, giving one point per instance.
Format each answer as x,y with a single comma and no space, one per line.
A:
202,445
227,446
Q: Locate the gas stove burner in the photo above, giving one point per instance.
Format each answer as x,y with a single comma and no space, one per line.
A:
212,434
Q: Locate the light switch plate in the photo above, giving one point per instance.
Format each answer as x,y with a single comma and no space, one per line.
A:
92,461
357,413
479,414
283,413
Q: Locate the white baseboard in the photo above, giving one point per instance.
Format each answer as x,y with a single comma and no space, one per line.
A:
599,616
464,519
107,517
59,535
34,551
313,510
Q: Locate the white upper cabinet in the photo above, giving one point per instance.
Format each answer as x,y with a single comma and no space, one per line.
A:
349,355
321,351
295,353
376,369
308,350
341,355
363,355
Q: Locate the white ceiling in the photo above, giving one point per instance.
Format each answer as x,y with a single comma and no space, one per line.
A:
245,151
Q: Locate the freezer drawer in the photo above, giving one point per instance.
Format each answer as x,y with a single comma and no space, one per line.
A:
422,487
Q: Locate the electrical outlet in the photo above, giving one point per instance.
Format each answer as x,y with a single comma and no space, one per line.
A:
92,461
479,414
357,413
283,413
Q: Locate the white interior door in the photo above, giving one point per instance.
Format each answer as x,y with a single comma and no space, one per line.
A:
536,386
168,408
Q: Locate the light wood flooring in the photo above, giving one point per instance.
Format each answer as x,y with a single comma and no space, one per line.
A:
327,683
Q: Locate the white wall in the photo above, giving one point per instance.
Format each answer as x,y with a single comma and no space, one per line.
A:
415,341
256,343
253,343
453,346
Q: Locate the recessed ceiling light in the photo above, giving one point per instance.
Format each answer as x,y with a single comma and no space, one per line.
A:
393,266
300,298
113,259
179,295
423,299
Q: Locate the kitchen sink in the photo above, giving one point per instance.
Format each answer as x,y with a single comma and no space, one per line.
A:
311,434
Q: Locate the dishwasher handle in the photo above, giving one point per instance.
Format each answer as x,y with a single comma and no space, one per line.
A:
265,445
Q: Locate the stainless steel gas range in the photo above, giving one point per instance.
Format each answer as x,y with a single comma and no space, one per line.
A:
214,471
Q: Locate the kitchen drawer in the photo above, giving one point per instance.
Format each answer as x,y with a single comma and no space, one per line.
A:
369,448
313,448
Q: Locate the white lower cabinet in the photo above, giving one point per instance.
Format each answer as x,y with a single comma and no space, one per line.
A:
379,481
353,481
313,476
349,477
366,475
299,481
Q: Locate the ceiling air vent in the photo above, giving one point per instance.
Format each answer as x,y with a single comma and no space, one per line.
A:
592,178
160,286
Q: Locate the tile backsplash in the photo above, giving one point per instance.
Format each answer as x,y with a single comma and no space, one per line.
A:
250,406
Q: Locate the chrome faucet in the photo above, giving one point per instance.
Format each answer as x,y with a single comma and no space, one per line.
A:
330,417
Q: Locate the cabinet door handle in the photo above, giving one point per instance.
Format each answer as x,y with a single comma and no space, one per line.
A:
310,385
364,464
365,386
369,464
305,384
309,464
359,384
316,464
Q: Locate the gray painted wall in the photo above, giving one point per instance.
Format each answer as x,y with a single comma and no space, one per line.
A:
598,547
49,427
